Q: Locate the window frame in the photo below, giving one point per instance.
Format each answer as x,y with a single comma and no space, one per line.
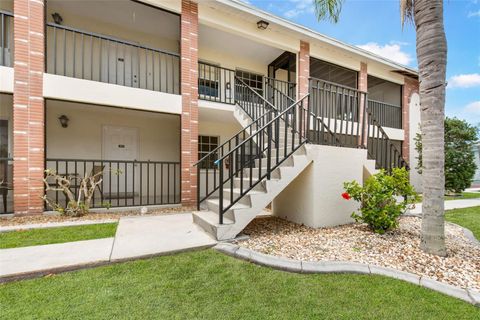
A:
210,164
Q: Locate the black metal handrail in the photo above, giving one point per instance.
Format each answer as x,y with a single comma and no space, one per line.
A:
290,123
92,56
254,106
215,83
124,182
387,115
279,92
339,114
381,148
6,38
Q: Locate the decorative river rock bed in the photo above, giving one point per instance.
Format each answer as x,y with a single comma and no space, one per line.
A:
398,249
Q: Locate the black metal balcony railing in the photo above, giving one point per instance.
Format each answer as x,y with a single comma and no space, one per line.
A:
124,183
6,185
279,92
387,153
387,115
91,56
6,39
215,83
337,114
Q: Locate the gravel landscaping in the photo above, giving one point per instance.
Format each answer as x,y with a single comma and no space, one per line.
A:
399,249
113,214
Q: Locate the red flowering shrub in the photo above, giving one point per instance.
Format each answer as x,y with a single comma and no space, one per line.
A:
379,198
346,196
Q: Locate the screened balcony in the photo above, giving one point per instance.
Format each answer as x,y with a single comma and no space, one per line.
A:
126,43
6,38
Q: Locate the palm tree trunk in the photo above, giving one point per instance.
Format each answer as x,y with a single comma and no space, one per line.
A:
432,60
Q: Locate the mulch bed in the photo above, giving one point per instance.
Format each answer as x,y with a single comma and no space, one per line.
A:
398,249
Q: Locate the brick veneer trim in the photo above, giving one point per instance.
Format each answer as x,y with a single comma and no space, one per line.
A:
28,107
363,86
410,87
189,90
303,74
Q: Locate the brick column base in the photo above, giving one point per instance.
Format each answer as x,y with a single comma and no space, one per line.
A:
28,107
189,85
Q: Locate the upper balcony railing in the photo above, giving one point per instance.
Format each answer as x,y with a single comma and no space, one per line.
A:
387,115
216,83
91,56
6,39
339,112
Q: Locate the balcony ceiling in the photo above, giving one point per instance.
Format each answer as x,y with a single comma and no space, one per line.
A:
236,46
122,13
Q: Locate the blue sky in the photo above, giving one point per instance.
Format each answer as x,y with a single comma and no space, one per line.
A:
375,25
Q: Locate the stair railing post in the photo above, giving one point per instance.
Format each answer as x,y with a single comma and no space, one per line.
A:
220,193
269,150
198,187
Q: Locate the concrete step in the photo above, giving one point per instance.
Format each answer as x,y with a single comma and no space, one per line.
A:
209,221
235,193
214,205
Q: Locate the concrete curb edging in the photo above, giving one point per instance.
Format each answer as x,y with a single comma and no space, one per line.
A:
469,295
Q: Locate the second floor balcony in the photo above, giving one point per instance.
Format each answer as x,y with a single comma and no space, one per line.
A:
127,44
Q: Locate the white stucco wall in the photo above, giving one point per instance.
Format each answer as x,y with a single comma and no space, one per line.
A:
6,79
6,113
158,134
79,90
314,197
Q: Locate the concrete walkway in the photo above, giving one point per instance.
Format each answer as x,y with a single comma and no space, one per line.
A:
449,205
136,237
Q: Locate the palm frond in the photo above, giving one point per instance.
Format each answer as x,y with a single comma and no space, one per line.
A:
406,11
328,9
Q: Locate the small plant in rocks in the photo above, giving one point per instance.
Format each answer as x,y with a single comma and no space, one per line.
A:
383,198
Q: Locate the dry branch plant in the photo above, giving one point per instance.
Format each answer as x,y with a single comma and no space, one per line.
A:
77,204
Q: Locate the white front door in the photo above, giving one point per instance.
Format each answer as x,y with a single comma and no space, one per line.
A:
120,143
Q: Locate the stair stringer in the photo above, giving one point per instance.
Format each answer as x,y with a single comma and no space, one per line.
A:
240,216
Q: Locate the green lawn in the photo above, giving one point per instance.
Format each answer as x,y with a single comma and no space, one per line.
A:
209,285
467,217
465,195
35,237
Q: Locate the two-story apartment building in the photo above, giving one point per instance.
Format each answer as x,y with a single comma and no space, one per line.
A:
142,90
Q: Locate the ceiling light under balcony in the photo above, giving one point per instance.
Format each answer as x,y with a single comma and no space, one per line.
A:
262,24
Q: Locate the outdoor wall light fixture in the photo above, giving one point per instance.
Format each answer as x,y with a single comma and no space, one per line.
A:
63,120
57,18
262,24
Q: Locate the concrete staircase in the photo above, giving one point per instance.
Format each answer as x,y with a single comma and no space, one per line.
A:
254,202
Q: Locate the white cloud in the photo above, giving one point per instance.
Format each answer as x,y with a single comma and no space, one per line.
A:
464,81
392,51
471,112
299,7
474,14
473,108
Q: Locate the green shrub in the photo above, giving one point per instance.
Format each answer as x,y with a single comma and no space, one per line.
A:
379,199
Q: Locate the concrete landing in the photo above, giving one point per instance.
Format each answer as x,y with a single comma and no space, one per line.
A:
145,236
